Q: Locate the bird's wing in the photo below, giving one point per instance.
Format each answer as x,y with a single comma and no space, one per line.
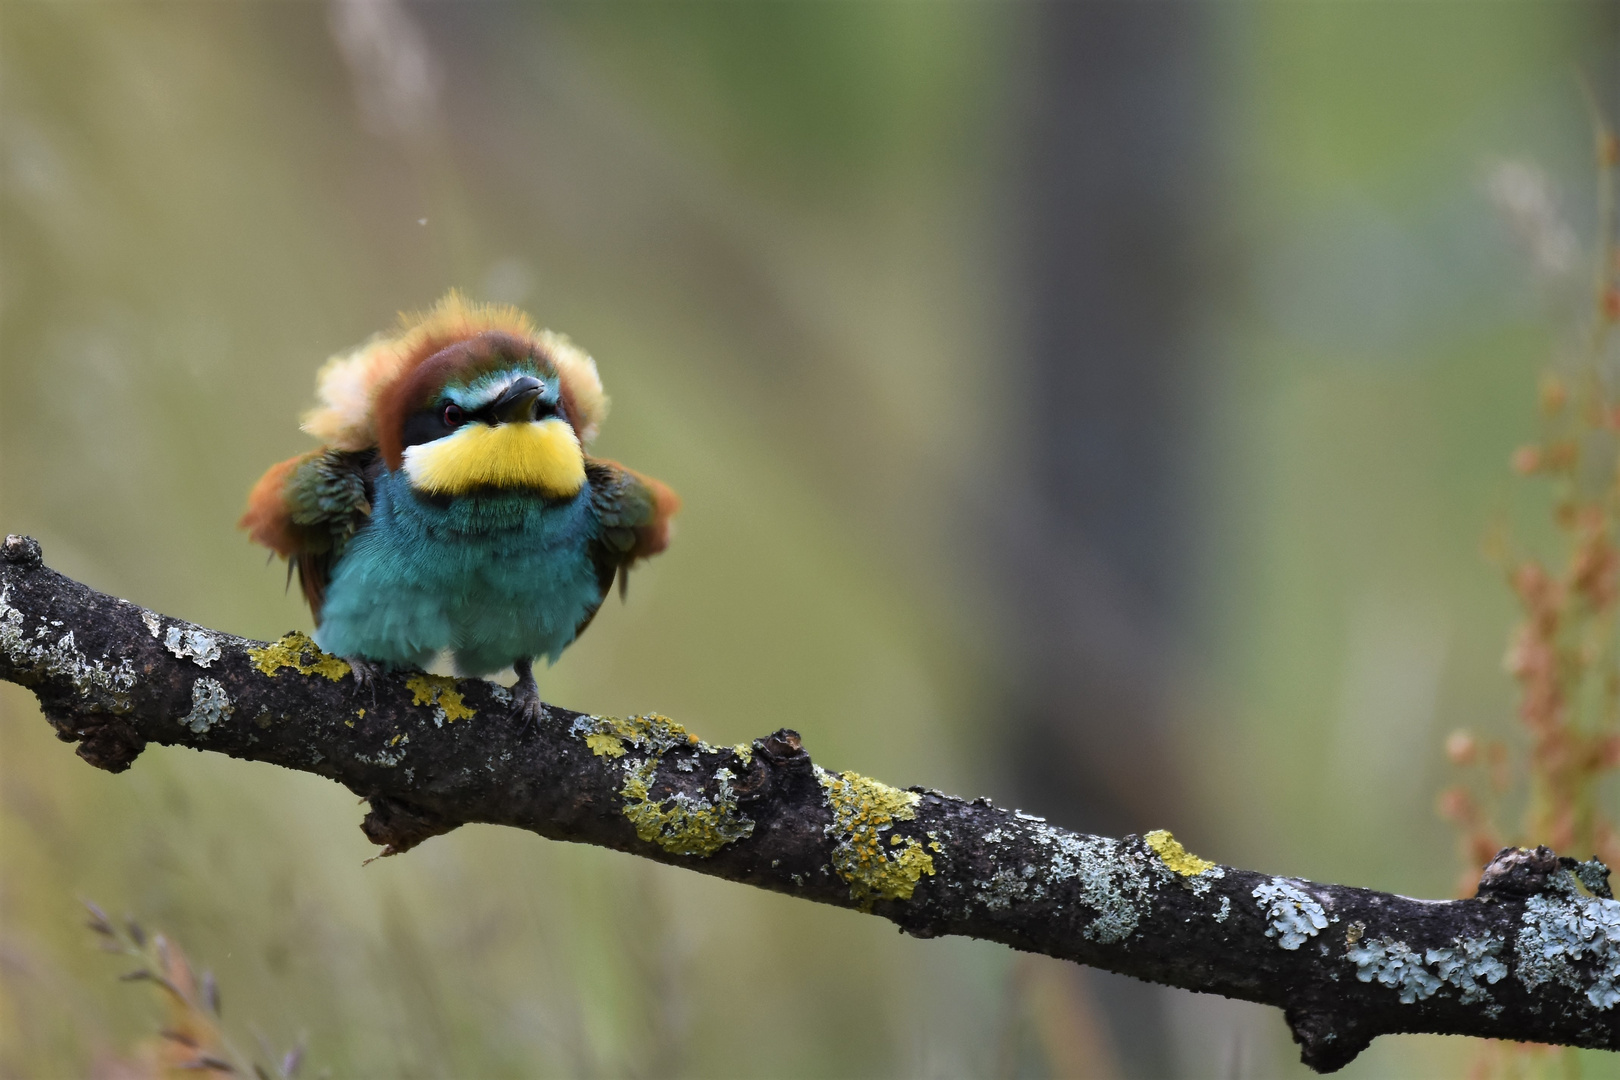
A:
308,508
633,515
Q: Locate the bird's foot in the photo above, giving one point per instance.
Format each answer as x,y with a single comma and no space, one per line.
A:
527,708
366,673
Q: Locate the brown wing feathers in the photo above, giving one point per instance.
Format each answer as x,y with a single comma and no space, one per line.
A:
634,512
268,519
307,509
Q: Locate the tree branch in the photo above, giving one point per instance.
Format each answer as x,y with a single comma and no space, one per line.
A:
1534,957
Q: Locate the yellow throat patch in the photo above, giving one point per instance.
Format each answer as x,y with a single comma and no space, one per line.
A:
544,456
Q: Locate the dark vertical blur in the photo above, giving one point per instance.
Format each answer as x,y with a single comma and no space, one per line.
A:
1115,170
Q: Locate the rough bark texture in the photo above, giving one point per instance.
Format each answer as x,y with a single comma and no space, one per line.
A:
1536,956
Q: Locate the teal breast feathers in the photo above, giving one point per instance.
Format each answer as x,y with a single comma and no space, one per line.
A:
490,578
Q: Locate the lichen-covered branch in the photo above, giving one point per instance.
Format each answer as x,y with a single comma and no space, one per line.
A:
1535,956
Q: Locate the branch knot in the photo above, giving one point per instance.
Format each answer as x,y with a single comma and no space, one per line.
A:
1521,872
22,551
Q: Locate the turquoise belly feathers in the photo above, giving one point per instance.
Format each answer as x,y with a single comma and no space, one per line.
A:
452,507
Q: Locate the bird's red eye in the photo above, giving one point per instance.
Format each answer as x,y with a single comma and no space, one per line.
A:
452,416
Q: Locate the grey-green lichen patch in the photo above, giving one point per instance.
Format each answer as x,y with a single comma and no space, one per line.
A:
389,754
1294,915
1005,886
1225,910
680,823
1392,963
62,659
1204,882
1570,939
190,643
153,624
876,867
1115,879
210,705
1463,964
1594,874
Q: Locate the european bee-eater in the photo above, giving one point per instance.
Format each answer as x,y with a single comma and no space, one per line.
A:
452,505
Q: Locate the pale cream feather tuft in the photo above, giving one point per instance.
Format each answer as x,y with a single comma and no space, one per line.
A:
346,387
580,381
349,383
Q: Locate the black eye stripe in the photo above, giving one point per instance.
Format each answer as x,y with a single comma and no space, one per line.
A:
443,417
426,425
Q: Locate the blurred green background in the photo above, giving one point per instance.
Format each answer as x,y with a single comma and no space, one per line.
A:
1098,406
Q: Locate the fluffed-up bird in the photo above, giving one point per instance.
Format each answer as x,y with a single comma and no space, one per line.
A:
452,506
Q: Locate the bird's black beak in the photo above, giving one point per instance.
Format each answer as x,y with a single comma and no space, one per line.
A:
516,404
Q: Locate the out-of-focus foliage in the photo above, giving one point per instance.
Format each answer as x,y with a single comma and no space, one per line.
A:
1564,652
192,1041
781,230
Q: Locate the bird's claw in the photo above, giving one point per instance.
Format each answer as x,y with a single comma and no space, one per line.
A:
366,674
527,708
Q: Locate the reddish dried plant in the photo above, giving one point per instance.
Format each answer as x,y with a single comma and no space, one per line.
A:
1563,654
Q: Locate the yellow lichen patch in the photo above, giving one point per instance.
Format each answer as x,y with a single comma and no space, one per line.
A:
650,732
454,707
862,808
425,688
680,823
745,751
603,745
440,690
1176,857
289,652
